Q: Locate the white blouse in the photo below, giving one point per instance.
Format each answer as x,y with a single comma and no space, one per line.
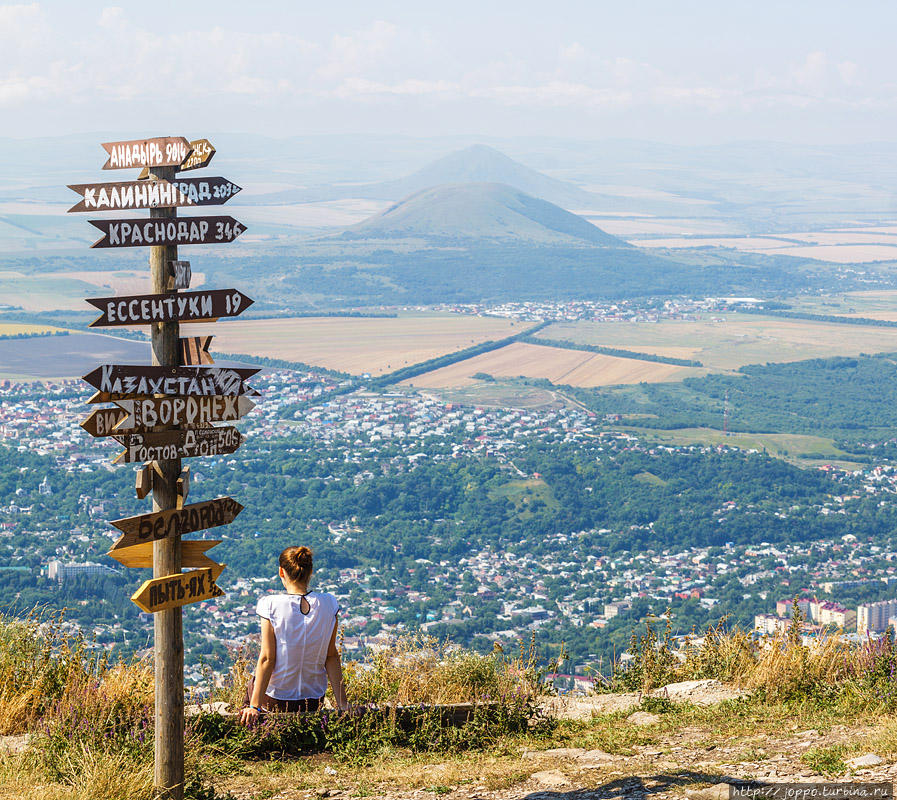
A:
301,642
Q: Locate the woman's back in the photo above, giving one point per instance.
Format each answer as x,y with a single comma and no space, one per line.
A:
302,640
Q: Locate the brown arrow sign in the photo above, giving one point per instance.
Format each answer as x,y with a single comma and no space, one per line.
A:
167,445
159,594
142,232
143,415
126,382
168,151
193,554
176,521
131,195
102,421
144,309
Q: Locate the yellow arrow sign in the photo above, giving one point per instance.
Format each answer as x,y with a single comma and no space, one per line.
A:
193,554
173,591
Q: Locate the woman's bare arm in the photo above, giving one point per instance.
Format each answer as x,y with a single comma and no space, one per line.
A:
334,667
263,670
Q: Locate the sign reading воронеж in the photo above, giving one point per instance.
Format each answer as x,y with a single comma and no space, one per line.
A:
811,791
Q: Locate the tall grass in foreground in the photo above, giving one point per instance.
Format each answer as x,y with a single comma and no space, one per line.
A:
778,668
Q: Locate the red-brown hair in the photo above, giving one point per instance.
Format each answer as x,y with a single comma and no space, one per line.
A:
297,563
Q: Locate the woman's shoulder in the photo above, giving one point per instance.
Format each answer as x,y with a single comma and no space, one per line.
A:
328,600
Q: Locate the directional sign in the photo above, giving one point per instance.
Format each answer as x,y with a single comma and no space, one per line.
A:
193,554
127,195
102,421
195,351
170,151
159,594
132,195
167,445
176,521
180,275
126,382
143,232
182,487
201,152
144,309
144,482
146,414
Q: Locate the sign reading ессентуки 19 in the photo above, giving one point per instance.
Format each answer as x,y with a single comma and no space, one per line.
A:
143,309
175,231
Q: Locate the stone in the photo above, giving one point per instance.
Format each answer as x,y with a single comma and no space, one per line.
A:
584,708
551,777
719,791
196,709
642,718
706,692
593,759
14,744
557,752
867,760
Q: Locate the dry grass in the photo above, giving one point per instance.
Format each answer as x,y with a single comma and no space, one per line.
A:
358,344
569,367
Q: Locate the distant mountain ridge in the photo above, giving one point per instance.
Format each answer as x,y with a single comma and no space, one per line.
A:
489,211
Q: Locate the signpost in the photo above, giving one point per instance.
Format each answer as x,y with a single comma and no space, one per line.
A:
143,309
126,382
161,232
132,195
166,410
148,413
178,444
174,591
174,522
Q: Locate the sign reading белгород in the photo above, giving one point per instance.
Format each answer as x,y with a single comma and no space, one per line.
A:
811,791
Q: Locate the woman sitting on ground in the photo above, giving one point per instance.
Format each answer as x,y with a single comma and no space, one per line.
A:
298,653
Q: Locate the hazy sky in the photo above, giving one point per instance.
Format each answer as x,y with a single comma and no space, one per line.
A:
674,70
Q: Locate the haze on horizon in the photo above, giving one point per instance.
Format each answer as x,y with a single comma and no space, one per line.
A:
698,72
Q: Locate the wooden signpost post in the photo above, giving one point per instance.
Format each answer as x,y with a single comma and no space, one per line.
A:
166,411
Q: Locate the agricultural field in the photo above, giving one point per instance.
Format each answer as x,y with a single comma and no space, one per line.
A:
879,304
359,345
72,356
570,367
728,341
505,394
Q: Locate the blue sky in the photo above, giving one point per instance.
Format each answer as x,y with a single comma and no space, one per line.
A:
702,72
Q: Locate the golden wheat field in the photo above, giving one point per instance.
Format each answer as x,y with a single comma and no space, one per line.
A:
359,345
569,367
728,341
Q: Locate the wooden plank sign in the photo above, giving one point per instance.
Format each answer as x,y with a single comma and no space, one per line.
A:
146,414
141,232
193,554
195,351
167,445
102,421
201,152
145,309
144,483
173,591
127,195
168,151
126,382
180,275
182,487
176,521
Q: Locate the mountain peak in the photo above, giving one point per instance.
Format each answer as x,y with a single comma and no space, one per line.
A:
481,210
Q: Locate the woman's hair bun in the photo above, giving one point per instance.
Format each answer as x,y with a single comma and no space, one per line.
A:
297,563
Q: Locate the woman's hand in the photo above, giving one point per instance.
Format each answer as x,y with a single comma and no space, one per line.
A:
248,715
